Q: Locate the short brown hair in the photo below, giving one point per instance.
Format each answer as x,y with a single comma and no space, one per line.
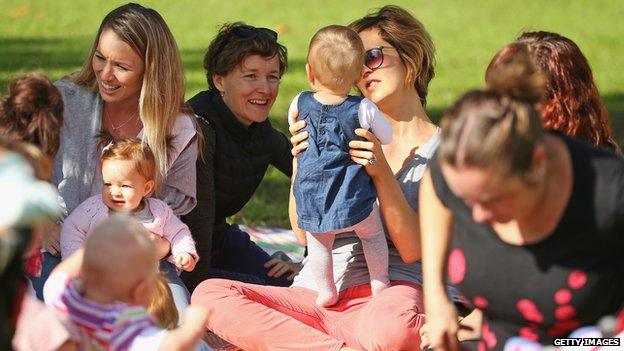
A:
33,112
497,128
235,42
336,56
131,149
410,39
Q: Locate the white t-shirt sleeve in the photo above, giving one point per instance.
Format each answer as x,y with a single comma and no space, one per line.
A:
372,119
293,110
149,339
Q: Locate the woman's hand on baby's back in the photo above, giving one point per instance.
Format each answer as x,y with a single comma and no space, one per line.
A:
368,152
299,138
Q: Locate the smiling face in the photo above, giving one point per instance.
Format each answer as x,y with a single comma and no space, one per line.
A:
493,198
250,89
118,69
382,84
124,187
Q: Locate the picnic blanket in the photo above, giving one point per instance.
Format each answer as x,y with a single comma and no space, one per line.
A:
276,239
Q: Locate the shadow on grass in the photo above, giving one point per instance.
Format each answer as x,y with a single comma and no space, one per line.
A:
46,54
615,106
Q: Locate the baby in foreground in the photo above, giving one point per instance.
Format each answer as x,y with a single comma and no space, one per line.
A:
103,291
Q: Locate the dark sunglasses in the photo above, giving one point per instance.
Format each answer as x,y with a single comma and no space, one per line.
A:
374,57
249,32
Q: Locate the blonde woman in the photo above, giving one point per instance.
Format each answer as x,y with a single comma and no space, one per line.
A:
131,85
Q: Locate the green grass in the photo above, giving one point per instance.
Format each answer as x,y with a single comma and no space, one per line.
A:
54,37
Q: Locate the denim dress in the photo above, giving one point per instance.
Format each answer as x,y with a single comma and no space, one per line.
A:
331,191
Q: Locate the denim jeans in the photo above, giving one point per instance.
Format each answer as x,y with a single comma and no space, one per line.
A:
241,259
48,263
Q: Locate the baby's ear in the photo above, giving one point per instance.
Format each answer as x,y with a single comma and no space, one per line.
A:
149,187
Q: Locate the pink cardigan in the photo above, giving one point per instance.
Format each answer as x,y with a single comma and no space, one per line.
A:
92,211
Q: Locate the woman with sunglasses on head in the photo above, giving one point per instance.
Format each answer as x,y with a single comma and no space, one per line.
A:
244,65
399,62
530,221
131,85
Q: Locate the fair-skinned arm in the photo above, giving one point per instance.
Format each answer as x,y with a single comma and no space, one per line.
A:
71,265
186,336
292,209
404,228
436,225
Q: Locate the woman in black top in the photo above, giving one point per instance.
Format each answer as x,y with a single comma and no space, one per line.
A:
530,221
244,65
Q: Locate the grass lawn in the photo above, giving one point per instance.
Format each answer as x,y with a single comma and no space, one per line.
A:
55,36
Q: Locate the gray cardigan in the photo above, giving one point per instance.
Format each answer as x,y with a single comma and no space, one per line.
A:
79,153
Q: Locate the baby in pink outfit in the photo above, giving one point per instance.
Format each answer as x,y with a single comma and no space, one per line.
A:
128,168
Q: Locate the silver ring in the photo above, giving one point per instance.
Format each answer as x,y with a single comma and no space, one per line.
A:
372,161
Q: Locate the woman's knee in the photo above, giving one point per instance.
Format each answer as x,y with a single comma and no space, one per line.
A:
210,291
394,320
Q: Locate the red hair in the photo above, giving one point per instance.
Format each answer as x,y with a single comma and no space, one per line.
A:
571,103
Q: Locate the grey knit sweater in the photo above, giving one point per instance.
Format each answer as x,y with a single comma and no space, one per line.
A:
79,154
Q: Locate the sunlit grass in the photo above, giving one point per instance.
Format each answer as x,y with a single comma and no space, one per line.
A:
55,36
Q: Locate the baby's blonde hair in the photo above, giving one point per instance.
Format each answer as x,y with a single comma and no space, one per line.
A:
336,56
162,306
133,150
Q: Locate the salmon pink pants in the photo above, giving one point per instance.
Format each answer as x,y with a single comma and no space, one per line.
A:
256,317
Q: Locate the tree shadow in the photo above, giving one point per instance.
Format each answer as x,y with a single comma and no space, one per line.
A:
615,106
51,55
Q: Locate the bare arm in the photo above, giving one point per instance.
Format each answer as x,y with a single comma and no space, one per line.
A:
292,209
71,265
186,336
436,221
404,226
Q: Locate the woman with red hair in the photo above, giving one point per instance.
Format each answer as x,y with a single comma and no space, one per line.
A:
571,104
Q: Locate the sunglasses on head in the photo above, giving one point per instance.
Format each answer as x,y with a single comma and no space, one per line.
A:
249,32
374,57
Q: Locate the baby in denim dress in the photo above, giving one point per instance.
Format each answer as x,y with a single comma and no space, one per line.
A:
332,193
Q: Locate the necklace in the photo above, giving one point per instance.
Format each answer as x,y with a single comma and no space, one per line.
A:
116,128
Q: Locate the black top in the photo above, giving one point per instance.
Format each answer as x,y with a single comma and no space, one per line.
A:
550,288
235,159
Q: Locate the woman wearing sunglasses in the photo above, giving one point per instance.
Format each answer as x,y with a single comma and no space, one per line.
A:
244,65
399,67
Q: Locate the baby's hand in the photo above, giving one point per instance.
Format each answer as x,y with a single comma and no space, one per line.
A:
185,261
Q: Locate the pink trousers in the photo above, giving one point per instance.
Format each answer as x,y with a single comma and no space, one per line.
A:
256,317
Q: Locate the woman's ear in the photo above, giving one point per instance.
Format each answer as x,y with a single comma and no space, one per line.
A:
149,187
217,80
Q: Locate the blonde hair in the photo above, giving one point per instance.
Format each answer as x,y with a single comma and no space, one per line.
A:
411,40
162,306
336,56
162,92
497,128
131,149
